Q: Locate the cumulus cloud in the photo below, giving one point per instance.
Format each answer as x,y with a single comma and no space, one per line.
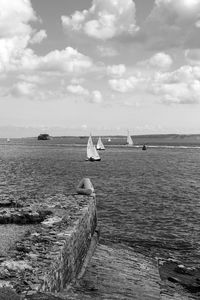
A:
96,97
123,85
171,23
116,70
161,60
180,11
91,96
69,60
23,89
104,20
181,86
33,76
16,32
38,37
15,35
77,90
14,18
193,56
105,51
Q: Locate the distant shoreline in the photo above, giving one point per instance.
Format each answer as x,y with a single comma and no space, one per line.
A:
157,140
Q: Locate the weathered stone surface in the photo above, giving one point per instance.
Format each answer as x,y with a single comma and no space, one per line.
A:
23,215
42,296
52,252
117,273
8,294
176,276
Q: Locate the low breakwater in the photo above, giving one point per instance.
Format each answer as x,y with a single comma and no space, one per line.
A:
53,248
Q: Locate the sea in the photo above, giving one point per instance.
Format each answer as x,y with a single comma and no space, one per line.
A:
149,200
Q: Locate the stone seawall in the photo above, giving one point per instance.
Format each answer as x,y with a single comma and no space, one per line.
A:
52,251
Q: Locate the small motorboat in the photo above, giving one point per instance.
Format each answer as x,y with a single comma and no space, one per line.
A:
144,147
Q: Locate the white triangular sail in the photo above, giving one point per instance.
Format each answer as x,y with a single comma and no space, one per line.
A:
91,150
129,140
100,145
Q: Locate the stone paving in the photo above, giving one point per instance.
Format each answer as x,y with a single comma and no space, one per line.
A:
115,273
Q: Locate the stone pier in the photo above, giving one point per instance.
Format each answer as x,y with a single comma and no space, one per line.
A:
51,245
50,251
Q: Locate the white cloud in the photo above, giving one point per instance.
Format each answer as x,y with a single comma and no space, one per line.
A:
90,96
38,37
161,60
28,75
193,56
15,33
106,51
68,60
14,18
123,85
104,20
77,80
96,97
181,86
180,10
23,89
171,23
10,50
36,79
77,90
84,126
116,70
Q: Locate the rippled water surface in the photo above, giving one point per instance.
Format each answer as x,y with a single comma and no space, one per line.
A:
146,199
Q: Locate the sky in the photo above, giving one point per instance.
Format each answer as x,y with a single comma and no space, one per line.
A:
102,66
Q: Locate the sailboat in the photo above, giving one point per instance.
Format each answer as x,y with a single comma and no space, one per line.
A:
100,145
109,139
129,140
8,140
92,153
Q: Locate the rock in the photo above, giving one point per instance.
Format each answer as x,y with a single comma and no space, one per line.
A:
42,296
16,265
5,203
8,294
176,273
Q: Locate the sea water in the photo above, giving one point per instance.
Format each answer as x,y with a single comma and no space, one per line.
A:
149,200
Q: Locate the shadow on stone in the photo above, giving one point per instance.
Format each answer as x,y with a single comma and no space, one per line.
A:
172,271
42,296
8,294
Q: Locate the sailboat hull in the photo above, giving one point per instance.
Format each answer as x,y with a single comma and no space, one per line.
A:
93,159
